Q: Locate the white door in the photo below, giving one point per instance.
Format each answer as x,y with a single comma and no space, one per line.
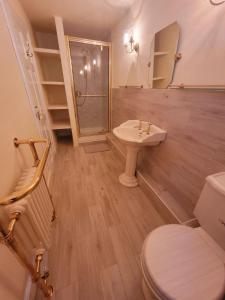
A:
22,43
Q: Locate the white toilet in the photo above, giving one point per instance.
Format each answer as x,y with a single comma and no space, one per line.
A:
180,262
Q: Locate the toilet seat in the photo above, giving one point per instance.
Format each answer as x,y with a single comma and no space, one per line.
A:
178,264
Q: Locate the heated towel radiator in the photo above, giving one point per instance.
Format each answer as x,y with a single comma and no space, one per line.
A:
29,215
33,231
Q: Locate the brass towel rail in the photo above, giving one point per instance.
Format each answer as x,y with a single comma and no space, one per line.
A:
6,236
38,163
7,239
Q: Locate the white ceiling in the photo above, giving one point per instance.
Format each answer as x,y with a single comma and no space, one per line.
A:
86,18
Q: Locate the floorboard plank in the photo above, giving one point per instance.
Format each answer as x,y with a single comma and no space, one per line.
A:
99,230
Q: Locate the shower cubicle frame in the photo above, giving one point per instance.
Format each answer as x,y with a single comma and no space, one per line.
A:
99,43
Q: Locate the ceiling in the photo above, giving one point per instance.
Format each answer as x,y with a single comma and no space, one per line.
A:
86,18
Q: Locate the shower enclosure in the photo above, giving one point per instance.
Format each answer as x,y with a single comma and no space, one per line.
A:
90,71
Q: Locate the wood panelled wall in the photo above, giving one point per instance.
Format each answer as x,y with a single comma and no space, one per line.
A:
195,144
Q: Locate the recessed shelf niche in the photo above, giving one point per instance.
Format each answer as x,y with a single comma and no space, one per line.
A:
51,68
51,78
162,56
59,119
55,95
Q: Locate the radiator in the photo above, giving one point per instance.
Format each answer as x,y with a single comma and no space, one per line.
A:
33,230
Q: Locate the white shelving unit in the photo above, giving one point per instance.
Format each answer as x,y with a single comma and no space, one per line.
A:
54,80
51,79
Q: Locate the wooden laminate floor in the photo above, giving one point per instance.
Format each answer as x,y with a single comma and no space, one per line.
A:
100,228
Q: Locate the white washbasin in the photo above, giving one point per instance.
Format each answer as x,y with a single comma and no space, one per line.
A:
136,134
133,135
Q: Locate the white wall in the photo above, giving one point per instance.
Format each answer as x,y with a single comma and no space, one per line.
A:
202,42
15,114
16,121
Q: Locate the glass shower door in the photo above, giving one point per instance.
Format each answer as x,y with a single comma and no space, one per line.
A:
90,70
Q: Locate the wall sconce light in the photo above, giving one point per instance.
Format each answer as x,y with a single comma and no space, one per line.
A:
130,43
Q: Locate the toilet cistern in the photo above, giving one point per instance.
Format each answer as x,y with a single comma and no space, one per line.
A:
136,134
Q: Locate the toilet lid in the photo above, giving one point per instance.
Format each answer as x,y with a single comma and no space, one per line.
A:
181,265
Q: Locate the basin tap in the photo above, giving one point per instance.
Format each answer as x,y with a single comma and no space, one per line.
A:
139,126
147,129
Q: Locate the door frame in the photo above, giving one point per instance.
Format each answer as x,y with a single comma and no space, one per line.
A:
69,39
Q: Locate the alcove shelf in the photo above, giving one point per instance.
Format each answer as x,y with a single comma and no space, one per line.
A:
158,78
160,53
52,82
47,52
162,56
61,125
57,107
59,119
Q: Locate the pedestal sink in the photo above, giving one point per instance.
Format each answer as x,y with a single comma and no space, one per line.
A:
136,134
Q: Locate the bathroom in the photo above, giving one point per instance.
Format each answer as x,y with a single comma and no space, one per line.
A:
112,149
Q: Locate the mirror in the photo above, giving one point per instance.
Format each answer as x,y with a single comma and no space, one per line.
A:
163,56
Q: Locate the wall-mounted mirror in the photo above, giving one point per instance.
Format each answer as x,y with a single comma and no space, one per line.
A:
163,56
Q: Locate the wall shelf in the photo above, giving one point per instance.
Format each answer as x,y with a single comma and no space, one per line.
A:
57,107
52,83
163,56
160,53
61,125
158,78
47,52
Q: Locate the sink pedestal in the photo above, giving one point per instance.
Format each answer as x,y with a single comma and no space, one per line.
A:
128,178
136,134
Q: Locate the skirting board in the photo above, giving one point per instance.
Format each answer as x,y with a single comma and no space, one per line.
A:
168,215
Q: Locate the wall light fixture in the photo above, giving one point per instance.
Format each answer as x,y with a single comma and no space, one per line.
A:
130,43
